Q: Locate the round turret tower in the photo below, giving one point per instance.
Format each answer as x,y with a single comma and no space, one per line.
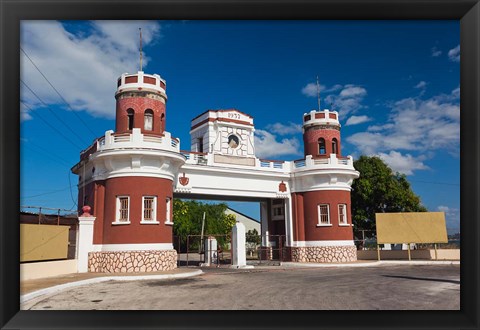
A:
323,229
321,133
127,176
141,100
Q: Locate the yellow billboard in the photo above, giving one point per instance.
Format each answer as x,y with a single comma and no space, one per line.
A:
411,227
43,242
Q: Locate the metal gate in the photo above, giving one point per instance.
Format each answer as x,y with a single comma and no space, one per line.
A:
192,252
266,249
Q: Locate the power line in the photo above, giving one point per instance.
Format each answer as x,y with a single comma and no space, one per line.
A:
53,112
47,193
71,194
74,112
431,182
46,153
52,127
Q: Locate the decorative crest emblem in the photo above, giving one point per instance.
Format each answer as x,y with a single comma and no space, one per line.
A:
183,180
282,187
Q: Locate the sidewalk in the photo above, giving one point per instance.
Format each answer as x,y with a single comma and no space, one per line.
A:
31,289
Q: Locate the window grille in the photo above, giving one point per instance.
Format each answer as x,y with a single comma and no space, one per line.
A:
123,209
148,208
342,214
323,214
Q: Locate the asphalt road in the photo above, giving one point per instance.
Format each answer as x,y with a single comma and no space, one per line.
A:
386,287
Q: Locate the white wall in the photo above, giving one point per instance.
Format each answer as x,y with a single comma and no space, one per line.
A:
34,270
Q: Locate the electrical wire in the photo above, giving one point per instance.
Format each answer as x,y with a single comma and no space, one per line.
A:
45,153
71,194
54,114
431,182
63,99
51,126
47,193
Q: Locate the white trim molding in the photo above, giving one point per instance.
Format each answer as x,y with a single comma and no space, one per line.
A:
132,247
322,243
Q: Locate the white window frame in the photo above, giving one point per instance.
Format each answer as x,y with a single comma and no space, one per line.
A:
168,210
320,223
345,218
154,211
117,211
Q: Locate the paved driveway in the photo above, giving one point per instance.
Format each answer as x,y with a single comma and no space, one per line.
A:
386,287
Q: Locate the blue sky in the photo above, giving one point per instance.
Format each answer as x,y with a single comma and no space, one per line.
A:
395,85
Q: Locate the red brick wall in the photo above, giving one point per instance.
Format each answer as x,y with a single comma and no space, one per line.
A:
305,216
139,105
136,233
310,141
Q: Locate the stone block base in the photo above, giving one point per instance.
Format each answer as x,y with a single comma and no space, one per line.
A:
323,254
132,261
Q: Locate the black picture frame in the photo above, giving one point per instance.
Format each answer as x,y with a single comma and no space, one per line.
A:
12,12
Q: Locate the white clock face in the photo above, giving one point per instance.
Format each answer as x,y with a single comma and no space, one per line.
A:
233,141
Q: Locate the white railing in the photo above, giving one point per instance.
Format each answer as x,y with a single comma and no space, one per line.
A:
138,140
195,157
272,164
331,161
299,163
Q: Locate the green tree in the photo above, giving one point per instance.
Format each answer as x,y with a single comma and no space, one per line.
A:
252,239
379,190
188,215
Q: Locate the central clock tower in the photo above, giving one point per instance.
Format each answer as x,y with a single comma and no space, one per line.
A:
228,134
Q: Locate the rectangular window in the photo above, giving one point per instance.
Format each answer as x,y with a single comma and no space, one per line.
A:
123,209
278,209
323,215
168,210
149,209
342,214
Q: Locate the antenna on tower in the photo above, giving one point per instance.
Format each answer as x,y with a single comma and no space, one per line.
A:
140,48
318,94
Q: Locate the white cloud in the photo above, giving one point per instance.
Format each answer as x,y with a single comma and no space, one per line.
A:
355,120
348,100
452,218
83,67
282,129
405,164
353,91
266,145
454,54
436,52
311,89
443,208
421,84
414,125
376,128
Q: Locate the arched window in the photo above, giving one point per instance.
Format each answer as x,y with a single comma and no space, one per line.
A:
148,120
130,114
334,146
162,123
321,146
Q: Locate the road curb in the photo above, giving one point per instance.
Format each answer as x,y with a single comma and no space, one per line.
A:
371,264
53,289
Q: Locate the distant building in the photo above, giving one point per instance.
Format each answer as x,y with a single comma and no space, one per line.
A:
248,222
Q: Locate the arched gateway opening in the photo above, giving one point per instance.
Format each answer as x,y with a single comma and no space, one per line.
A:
264,223
131,177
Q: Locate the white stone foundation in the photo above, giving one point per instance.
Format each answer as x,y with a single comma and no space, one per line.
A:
132,261
324,254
